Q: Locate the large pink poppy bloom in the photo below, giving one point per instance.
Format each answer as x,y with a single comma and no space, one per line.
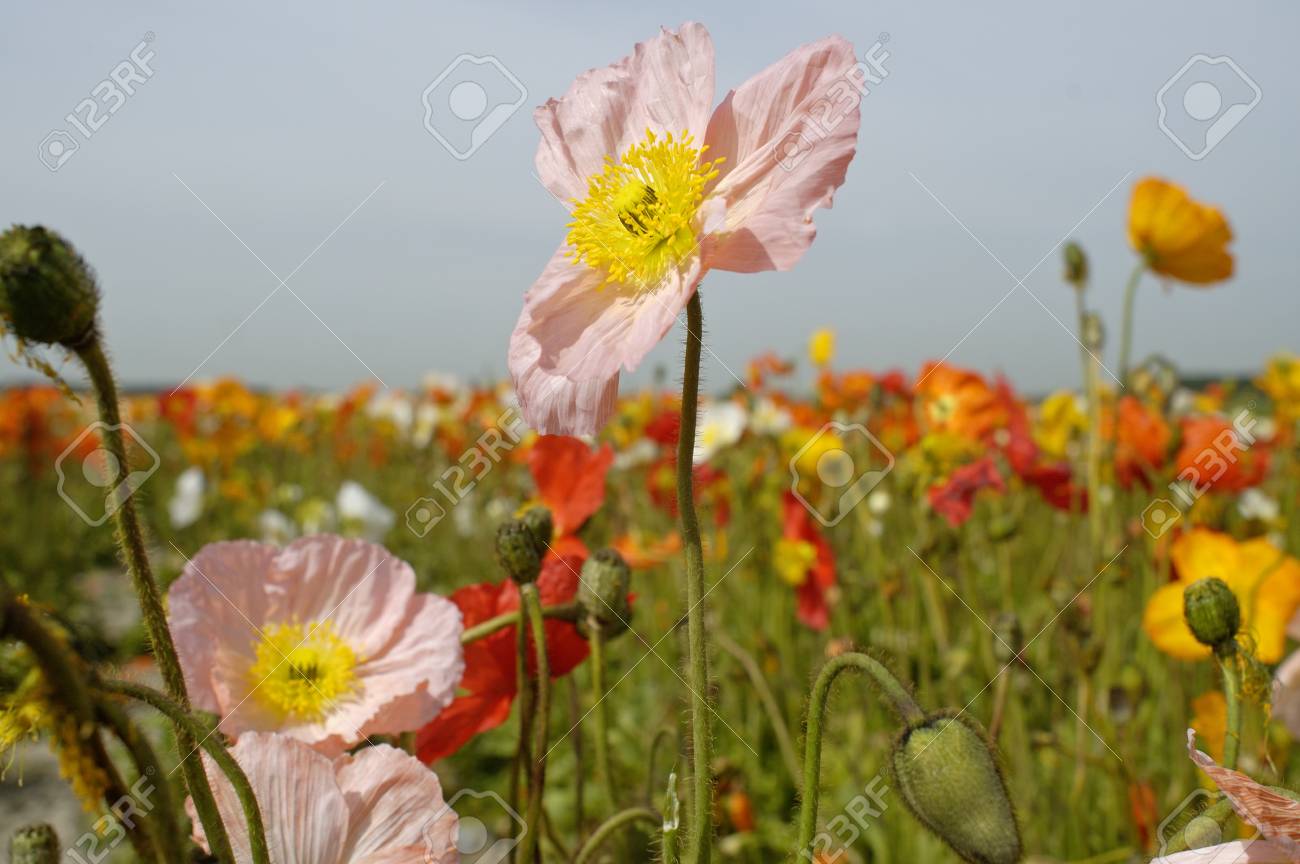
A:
380,806
325,640
663,190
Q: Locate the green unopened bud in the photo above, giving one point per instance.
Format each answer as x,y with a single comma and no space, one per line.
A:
538,520
34,844
1076,264
950,781
47,292
517,552
1213,614
602,593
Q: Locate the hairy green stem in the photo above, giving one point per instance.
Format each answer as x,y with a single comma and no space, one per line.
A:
701,824
1126,334
1232,696
182,719
171,841
896,696
484,629
539,724
611,825
62,671
130,540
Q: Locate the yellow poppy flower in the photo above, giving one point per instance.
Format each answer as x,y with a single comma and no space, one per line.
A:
1180,238
821,347
1265,581
1210,720
1060,421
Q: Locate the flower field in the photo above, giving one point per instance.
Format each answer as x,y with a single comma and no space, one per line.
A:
546,618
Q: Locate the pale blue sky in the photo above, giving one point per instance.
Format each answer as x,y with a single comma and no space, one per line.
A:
1019,117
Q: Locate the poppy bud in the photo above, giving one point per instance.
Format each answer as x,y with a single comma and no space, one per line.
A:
1212,612
47,292
538,520
517,552
602,592
950,781
1093,331
1076,264
34,844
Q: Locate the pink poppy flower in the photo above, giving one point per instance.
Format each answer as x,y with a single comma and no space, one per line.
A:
664,189
380,806
325,640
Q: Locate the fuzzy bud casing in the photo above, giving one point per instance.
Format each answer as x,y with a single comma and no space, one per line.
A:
517,552
602,592
34,844
1076,264
949,779
47,292
539,521
1212,612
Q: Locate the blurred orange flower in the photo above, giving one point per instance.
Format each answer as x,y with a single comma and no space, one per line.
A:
1214,456
1141,438
1179,238
959,401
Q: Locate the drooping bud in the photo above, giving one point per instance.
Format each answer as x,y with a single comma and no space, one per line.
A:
539,521
47,292
34,844
1076,265
602,593
1212,612
950,781
517,552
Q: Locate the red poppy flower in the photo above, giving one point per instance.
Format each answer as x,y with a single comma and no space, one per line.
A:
954,499
805,560
489,681
1053,480
570,479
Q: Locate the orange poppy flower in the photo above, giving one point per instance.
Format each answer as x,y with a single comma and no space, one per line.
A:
1179,238
1215,456
1141,438
959,401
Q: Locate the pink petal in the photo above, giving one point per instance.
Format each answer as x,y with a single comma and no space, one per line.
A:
1236,852
769,208
574,336
1286,693
303,812
665,85
395,809
215,610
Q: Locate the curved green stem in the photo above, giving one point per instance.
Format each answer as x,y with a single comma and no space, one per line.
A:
130,540
564,611
768,701
182,719
172,842
896,696
607,829
1126,334
539,724
701,827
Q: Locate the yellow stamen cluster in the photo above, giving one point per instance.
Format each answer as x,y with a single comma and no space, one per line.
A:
639,217
301,671
27,714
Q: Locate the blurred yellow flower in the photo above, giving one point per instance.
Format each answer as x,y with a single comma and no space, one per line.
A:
1265,580
1180,238
792,559
1060,421
1281,381
1210,720
821,347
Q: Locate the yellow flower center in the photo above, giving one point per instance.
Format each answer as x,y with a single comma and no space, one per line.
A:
639,217
302,670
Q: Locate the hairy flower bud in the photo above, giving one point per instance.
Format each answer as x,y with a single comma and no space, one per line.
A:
47,292
602,592
1076,264
538,520
517,552
34,844
1212,612
950,781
